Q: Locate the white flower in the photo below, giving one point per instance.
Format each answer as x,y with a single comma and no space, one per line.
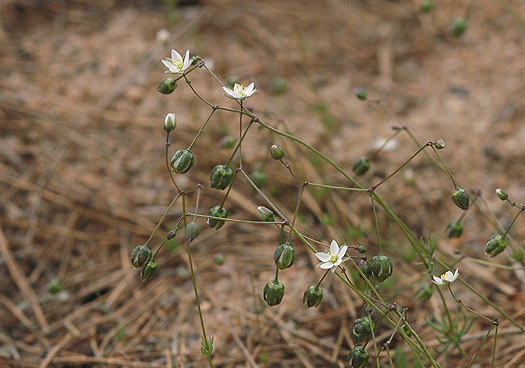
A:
389,146
333,257
176,64
239,91
170,122
447,277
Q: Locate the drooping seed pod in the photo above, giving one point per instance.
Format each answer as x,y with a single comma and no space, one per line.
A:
312,297
149,270
192,231
495,245
182,161
273,292
167,86
140,255
360,93
266,214
381,267
454,229
171,234
276,152
439,143
362,329
358,357
217,211
361,166
502,194
220,177
284,256
365,268
461,198
458,26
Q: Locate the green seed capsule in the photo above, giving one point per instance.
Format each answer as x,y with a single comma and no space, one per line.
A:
221,176
140,255
439,143
495,245
273,292
365,268
426,5
358,357
454,229
284,256
502,194
458,26
276,152
259,178
362,329
182,161
167,86
360,93
192,231
149,270
218,259
312,296
217,211
381,267
461,198
266,214
361,165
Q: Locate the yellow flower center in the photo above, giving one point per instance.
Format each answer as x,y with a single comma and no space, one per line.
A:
333,259
178,63
443,276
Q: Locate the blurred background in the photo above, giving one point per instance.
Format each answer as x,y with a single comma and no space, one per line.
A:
83,179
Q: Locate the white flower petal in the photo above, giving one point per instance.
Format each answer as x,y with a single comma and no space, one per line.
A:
334,248
453,277
338,262
249,89
333,269
175,55
438,280
342,251
322,256
326,265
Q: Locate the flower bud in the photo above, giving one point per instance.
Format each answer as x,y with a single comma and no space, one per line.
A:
426,5
192,231
312,296
140,255
454,229
358,357
424,292
461,198
182,161
284,256
217,211
276,152
360,93
148,270
502,194
170,122
458,26
54,286
365,268
361,165
381,267
439,143
266,214
221,176
218,259
362,249
171,234
273,292
362,329
259,178
167,85
495,245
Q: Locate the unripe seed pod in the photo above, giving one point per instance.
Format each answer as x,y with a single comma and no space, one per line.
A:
259,178
218,259
454,229
276,152
358,357
167,86
362,329
426,5
170,122
182,161
365,268
361,249
407,330
149,269
221,176
217,211
273,292
439,143
361,165
284,256
140,255
312,296
424,292
495,245
502,194
381,267
227,142
458,26
266,214
171,234
192,231
360,93
461,198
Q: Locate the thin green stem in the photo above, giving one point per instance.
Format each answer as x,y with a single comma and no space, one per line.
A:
229,188
227,219
495,345
322,278
480,347
466,306
197,94
446,167
297,209
351,189
188,250
162,218
240,138
213,109
276,274
239,143
376,221
170,171
512,223
450,323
